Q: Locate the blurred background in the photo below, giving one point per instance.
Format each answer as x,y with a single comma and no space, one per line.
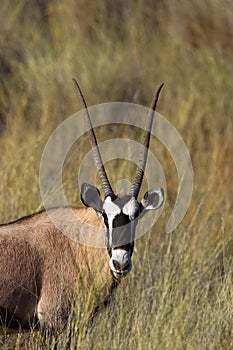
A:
121,51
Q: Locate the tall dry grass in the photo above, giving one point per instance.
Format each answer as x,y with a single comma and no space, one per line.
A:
179,294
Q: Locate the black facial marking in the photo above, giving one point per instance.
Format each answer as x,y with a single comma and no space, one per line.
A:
120,220
121,236
105,220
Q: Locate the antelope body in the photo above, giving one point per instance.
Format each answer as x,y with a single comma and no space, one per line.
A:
40,266
41,269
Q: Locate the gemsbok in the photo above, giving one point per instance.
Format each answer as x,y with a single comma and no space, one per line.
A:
41,269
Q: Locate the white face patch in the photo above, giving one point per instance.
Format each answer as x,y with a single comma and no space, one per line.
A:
130,209
111,210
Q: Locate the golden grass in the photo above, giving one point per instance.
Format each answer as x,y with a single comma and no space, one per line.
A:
179,293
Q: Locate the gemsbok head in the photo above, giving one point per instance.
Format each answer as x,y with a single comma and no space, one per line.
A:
120,214
40,267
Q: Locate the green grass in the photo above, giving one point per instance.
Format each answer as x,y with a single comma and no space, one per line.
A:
179,293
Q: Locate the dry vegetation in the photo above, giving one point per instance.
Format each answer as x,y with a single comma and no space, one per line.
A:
180,293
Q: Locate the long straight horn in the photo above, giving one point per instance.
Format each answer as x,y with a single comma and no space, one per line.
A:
104,182
137,182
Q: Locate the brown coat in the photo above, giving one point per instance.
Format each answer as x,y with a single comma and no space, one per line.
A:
41,269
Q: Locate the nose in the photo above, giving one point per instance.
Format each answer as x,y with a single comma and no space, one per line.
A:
121,266
116,264
120,259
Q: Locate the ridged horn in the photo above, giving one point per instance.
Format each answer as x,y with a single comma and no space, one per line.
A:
104,182
137,182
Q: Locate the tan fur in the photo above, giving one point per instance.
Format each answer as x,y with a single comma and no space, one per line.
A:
40,267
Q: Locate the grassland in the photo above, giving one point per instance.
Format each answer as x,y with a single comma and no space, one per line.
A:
180,293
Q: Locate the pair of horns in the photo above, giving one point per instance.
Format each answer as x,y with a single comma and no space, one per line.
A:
104,182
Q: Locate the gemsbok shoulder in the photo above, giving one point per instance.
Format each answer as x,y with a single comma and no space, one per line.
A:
40,267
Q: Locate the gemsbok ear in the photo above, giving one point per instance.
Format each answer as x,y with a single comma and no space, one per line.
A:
90,196
153,199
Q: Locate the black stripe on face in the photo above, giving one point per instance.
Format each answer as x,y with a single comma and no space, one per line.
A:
105,220
120,228
120,220
121,233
